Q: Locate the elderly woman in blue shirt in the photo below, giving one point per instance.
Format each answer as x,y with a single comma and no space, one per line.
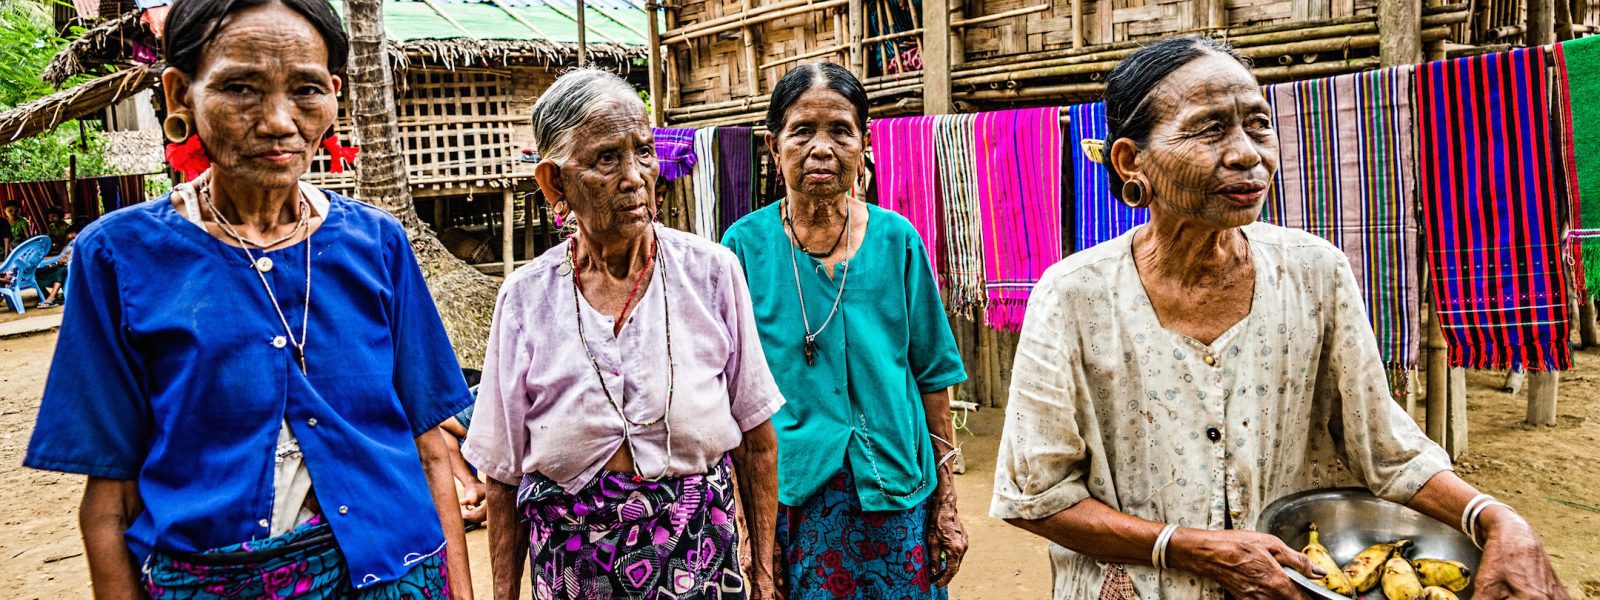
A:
256,377
855,334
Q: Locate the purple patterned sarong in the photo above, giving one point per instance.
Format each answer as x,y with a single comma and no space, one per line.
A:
621,538
675,151
304,564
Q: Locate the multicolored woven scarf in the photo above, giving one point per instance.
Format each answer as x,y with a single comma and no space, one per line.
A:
736,174
1492,205
962,276
1580,126
1100,216
1347,173
1019,200
675,151
704,177
907,180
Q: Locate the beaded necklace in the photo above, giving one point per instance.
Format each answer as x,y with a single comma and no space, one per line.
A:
672,366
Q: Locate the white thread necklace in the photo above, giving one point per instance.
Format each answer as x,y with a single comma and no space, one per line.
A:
810,346
260,266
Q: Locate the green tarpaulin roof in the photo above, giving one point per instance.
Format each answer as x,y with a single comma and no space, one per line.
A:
613,22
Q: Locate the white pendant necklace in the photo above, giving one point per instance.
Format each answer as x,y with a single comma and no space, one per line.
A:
260,265
810,345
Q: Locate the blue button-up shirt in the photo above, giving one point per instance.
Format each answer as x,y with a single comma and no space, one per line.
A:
166,372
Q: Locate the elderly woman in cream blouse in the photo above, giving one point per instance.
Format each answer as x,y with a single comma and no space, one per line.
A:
1172,382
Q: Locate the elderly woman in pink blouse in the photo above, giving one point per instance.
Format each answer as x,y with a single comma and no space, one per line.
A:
624,383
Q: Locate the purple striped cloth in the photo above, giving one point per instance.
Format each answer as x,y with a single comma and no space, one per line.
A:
675,151
735,174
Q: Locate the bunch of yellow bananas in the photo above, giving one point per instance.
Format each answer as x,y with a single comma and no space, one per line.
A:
1402,578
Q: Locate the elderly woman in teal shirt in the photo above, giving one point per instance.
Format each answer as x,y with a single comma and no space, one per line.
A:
855,334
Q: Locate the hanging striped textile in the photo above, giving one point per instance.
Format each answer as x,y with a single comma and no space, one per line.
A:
1347,173
908,183
1019,200
1492,208
705,184
736,174
1100,216
674,151
962,276
1580,129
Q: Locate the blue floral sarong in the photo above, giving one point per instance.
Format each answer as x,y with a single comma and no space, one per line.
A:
833,549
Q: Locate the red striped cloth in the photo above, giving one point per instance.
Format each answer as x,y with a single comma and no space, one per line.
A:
906,178
1492,208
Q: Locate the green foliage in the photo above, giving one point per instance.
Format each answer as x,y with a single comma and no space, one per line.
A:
27,42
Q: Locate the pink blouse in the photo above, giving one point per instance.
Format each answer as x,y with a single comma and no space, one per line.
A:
541,407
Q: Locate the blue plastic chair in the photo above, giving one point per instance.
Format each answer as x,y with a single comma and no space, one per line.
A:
51,262
22,264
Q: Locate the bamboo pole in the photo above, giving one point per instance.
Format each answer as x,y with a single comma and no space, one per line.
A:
653,64
1438,362
693,32
936,97
1077,24
583,41
448,19
508,220
858,25
1541,31
753,87
799,57
500,4
893,36
733,18
1455,439
957,24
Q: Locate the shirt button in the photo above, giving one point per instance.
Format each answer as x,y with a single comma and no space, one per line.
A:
1213,434
264,523
344,510
263,264
1211,360
312,421
280,341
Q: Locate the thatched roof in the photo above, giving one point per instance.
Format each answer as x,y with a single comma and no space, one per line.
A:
445,33
79,101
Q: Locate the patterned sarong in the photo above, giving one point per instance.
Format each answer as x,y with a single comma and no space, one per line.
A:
1100,215
618,538
962,275
907,180
1347,173
1492,203
304,564
1577,62
832,549
1019,200
736,174
704,179
675,151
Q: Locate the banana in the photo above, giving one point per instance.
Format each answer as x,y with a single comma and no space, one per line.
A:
1434,592
1400,580
1365,570
1336,581
1448,574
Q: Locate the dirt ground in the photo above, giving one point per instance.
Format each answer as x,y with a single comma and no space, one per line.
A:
1551,475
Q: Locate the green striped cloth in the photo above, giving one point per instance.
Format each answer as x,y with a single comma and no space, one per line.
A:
1577,62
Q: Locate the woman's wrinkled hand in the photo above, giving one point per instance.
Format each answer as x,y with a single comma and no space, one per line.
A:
1246,563
1514,563
947,541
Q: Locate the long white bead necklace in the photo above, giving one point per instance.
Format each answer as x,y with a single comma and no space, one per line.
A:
262,264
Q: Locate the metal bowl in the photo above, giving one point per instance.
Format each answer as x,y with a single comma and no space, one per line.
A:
1350,520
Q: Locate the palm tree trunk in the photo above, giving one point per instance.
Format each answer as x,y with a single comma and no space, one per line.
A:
465,297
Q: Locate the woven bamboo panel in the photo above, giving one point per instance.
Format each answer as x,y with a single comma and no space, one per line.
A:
713,68
1051,28
457,128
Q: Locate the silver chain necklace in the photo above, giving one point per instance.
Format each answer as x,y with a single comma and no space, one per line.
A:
810,346
260,266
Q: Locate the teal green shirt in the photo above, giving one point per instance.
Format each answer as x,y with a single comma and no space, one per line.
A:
861,403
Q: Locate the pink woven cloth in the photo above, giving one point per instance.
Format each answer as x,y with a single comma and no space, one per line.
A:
1019,155
907,177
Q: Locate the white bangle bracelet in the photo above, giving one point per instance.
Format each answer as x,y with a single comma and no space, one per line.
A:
1478,512
1158,555
1466,514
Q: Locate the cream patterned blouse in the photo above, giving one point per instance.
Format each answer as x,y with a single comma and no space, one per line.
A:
1107,404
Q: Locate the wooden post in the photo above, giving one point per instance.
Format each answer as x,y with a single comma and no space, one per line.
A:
1588,329
1563,20
1455,438
936,57
1400,32
1515,378
1438,401
1077,24
653,63
858,27
530,217
583,44
1541,27
508,227
72,184
750,70
1542,386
